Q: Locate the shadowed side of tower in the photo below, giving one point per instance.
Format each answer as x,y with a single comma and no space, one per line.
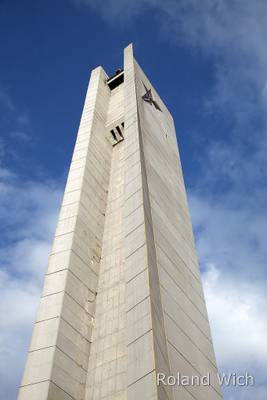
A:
122,298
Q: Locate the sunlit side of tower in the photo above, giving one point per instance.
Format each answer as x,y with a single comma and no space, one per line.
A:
122,298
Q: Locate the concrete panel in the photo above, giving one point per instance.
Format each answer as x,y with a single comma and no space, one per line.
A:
38,366
34,392
145,388
137,289
140,358
139,320
45,334
136,263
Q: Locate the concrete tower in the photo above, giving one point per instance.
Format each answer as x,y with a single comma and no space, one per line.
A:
122,299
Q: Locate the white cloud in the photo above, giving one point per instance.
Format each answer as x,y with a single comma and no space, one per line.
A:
119,11
20,135
237,311
6,100
19,122
27,214
231,234
23,119
19,299
233,251
239,329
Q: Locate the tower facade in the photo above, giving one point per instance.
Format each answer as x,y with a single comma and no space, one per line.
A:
122,300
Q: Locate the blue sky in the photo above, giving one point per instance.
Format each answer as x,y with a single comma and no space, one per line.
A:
208,61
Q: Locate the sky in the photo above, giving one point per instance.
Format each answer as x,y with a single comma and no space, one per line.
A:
208,61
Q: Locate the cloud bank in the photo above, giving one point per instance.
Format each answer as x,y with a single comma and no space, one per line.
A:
27,218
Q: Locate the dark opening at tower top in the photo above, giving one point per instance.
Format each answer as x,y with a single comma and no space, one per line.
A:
116,80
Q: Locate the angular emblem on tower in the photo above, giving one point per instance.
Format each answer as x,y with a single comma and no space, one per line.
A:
148,97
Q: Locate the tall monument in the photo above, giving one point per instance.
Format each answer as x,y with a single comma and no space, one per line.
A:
122,299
